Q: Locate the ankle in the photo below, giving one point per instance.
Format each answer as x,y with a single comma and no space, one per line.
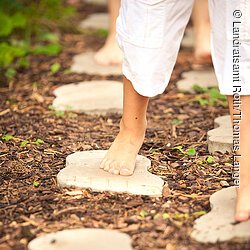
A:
137,128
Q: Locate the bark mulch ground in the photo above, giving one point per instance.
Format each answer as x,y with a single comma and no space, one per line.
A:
32,204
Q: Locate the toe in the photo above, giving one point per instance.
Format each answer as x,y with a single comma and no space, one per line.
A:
113,167
242,216
116,171
107,165
125,170
103,163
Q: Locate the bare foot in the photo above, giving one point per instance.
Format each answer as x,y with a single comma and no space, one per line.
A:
202,49
109,54
121,156
243,201
202,61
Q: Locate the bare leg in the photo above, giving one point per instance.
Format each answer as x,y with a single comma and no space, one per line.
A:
121,156
243,193
110,53
200,18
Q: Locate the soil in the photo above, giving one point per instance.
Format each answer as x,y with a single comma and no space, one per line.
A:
32,204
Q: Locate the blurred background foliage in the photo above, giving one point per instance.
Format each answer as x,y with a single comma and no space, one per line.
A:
29,27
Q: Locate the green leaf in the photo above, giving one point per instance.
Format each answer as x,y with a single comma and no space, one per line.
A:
199,213
156,216
6,56
59,113
176,121
101,32
38,142
143,213
18,20
10,73
165,216
210,159
23,143
202,101
36,184
49,37
199,89
6,26
55,68
7,137
179,148
214,93
191,151
51,49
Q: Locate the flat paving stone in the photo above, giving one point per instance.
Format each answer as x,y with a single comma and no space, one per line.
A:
218,225
221,137
85,63
82,239
82,171
204,79
95,21
94,97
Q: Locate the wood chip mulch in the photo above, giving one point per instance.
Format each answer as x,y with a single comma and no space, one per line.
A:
31,203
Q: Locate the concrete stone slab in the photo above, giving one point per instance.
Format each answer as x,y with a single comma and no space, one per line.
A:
79,239
82,171
188,39
95,21
85,63
201,78
219,224
221,138
94,97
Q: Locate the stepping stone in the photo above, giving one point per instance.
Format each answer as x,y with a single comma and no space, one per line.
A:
218,225
188,38
85,63
82,171
221,138
95,21
79,239
94,97
201,78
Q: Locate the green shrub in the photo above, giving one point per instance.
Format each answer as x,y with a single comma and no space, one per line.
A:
28,27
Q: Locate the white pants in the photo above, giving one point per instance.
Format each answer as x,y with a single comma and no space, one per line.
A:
149,32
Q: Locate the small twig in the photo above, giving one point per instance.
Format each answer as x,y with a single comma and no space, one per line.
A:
69,209
4,112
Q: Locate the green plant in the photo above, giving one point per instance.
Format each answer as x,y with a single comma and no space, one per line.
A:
199,213
38,142
7,137
211,96
189,152
24,143
36,184
54,68
143,213
27,27
176,121
210,159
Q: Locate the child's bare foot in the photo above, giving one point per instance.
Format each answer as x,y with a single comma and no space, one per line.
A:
109,54
121,156
243,201
243,192
202,52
